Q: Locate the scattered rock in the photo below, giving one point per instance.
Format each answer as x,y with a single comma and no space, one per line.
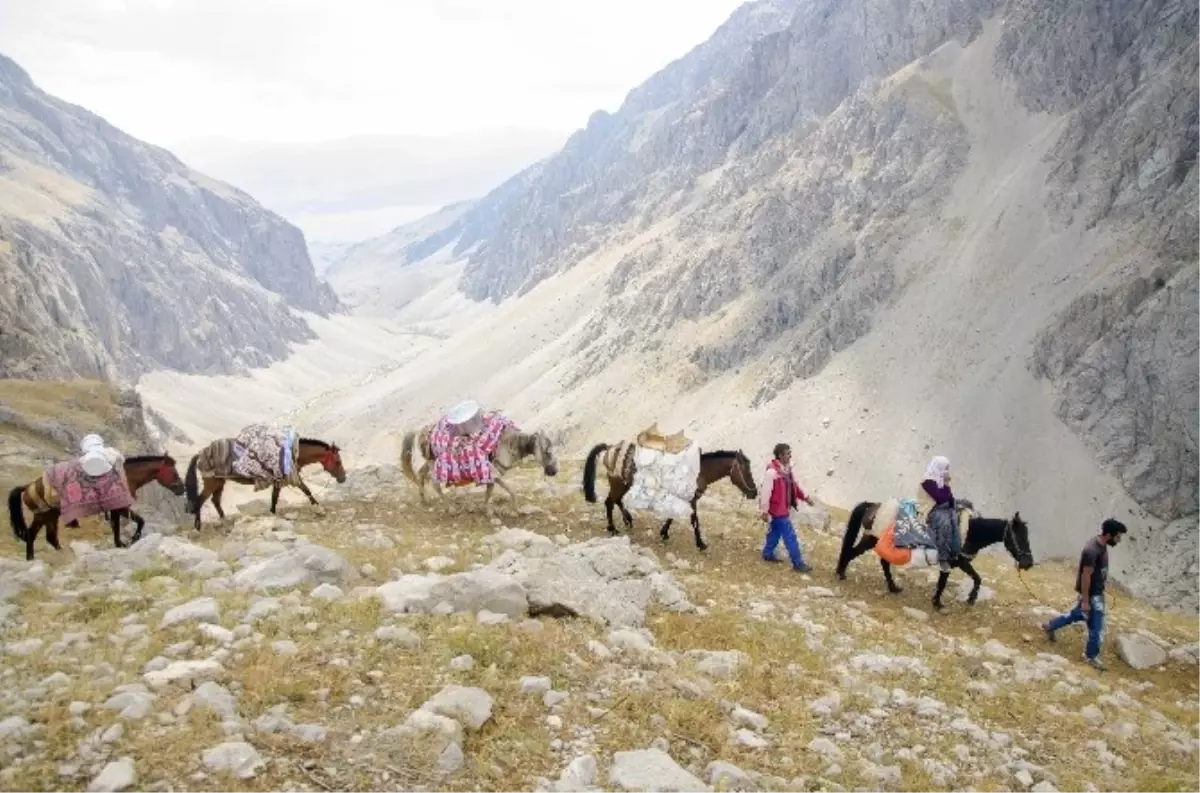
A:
535,685
199,610
461,663
748,718
304,565
915,614
233,757
117,775
580,774
1140,652
650,769
470,707
397,634
726,776
327,592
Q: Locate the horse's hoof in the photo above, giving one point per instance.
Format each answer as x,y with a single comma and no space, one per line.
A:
841,574
895,590
971,600
703,546
613,532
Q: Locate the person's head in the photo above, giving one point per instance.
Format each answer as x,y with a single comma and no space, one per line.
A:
1112,531
937,470
783,453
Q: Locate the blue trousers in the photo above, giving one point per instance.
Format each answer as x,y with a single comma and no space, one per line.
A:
1094,619
782,529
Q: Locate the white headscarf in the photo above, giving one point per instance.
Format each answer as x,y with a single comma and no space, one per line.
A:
937,469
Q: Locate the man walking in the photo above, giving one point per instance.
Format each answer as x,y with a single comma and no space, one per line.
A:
778,496
1089,583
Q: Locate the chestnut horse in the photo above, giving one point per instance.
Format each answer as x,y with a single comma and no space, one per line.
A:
309,451
44,506
714,466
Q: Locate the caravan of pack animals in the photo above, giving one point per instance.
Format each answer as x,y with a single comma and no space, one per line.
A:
665,474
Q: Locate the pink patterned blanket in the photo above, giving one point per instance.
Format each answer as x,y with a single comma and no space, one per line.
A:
80,495
461,459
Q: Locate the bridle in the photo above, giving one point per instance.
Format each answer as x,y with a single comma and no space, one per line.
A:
739,469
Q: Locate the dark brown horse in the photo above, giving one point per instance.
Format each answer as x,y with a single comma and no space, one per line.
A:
714,466
981,533
43,502
309,451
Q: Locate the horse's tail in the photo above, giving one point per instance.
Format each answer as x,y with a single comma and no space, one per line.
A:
589,472
15,516
853,526
406,453
191,486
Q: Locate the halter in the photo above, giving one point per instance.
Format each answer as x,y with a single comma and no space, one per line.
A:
737,466
328,458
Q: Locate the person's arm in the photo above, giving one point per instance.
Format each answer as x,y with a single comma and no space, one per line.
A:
764,494
1085,586
807,499
940,495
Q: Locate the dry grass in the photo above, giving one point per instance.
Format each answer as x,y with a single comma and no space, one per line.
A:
614,704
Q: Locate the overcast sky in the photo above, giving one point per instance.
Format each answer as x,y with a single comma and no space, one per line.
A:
308,70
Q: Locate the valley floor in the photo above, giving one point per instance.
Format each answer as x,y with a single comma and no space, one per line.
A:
772,681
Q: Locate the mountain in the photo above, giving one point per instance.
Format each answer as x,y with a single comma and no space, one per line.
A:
116,259
886,230
354,188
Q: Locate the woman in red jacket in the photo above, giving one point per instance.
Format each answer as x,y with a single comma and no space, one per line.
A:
778,496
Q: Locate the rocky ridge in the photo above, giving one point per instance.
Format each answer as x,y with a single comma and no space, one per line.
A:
115,258
273,650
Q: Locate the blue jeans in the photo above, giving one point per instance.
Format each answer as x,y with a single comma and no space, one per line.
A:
1094,619
781,529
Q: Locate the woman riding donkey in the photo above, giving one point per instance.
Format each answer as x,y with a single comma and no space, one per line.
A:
938,508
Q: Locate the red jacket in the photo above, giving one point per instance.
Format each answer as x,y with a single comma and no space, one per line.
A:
779,492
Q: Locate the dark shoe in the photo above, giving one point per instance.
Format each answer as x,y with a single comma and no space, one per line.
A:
1050,637
802,569
773,561
1096,664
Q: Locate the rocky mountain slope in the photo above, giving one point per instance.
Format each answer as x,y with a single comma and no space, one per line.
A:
888,230
115,258
374,644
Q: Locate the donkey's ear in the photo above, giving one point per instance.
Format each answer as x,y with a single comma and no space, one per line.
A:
1017,516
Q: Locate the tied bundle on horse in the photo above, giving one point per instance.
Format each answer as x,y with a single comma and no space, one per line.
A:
67,489
261,457
673,474
470,446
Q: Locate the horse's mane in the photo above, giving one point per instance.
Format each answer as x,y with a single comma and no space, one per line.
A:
723,454
315,442
150,458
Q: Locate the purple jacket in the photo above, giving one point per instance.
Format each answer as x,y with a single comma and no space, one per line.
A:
940,495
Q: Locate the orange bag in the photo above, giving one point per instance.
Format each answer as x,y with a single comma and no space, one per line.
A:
887,550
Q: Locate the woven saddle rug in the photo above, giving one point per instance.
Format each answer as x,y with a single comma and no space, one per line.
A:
80,495
463,459
258,453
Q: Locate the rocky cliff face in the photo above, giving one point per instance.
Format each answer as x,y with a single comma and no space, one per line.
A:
115,258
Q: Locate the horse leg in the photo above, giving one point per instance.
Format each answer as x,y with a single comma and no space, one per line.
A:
422,478
139,523
487,500
865,543
216,498
608,511
696,528
969,569
275,488
665,531
943,577
209,488
887,574
504,486
115,521
304,489
52,532
38,519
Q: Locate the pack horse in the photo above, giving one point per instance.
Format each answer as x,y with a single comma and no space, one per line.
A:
664,473
468,446
262,457
101,481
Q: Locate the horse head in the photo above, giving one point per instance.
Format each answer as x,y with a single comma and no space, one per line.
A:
1016,541
742,476
543,447
331,461
168,476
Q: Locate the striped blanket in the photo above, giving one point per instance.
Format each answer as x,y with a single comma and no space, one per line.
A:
462,459
80,495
